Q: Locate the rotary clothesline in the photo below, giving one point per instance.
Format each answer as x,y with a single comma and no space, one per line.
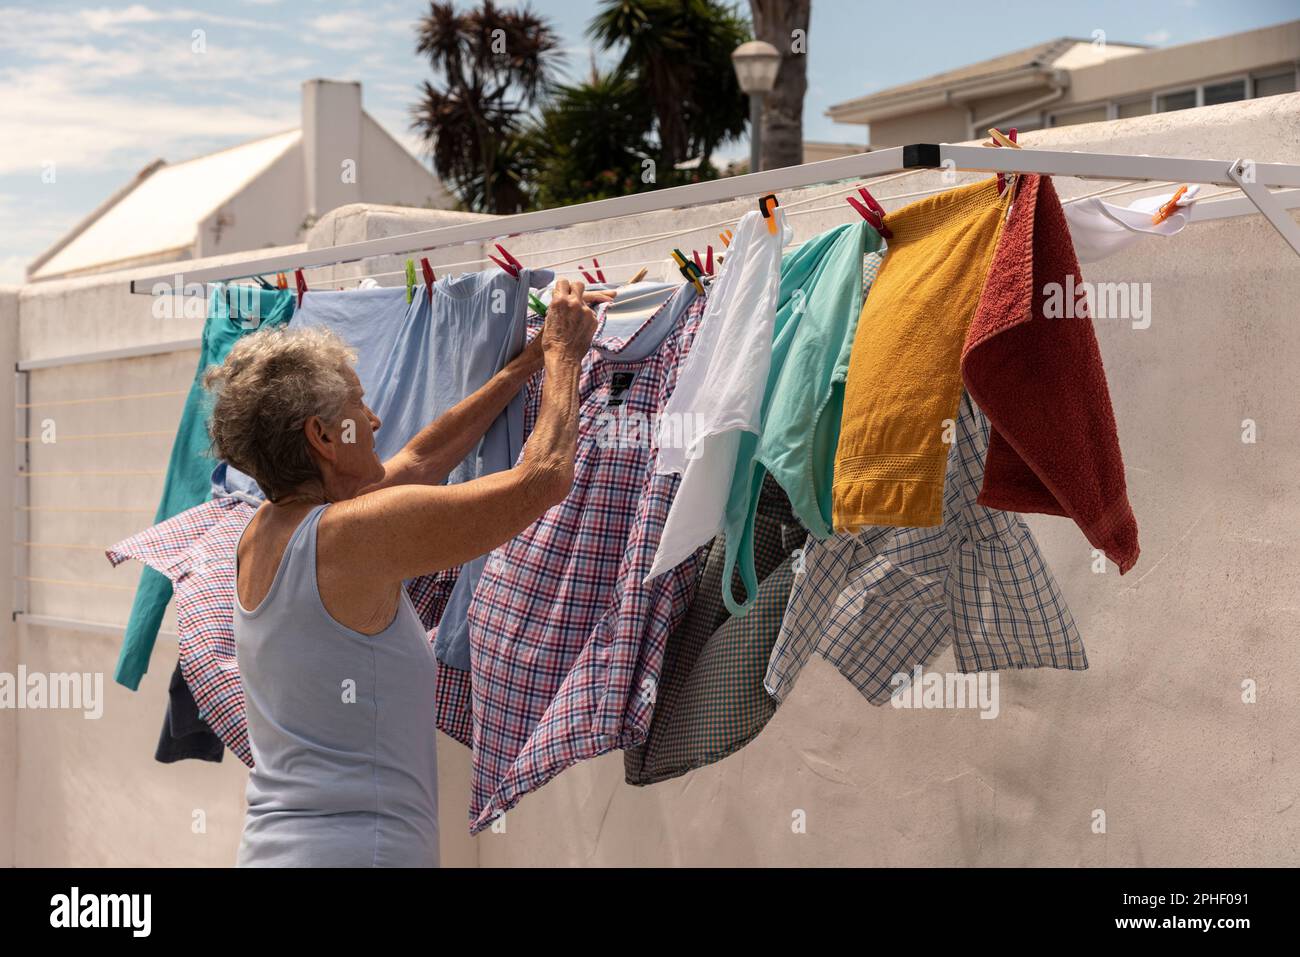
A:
1253,179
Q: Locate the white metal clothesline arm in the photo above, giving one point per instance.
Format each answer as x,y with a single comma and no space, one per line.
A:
1084,165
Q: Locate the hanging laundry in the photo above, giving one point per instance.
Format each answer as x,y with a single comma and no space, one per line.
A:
885,601
820,300
232,312
566,640
1038,377
416,360
710,700
904,379
1099,229
720,390
195,550
185,735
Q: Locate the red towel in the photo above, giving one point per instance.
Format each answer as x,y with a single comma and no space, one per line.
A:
1054,449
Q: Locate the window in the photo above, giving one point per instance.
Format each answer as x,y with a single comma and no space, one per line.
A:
1182,100
1228,92
1093,114
1275,83
1133,108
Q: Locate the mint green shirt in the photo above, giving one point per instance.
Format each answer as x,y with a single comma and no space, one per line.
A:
816,318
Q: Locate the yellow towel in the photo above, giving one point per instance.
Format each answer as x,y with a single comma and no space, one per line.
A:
904,381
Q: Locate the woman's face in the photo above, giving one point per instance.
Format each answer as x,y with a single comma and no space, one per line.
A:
356,461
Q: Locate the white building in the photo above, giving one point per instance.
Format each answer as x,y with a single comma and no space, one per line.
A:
263,193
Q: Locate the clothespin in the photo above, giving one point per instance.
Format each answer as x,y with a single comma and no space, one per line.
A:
1169,208
998,139
537,305
726,236
689,269
281,281
695,257
263,283
765,206
510,265
301,283
429,277
640,274
586,275
410,279
708,259
871,211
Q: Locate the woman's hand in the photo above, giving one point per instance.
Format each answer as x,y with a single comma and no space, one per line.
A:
532,355
570,323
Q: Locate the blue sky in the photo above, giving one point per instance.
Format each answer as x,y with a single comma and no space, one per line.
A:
102,89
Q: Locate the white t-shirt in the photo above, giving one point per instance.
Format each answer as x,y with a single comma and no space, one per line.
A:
720,389
1100,229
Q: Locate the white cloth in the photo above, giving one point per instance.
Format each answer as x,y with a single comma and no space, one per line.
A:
1100,229
720,390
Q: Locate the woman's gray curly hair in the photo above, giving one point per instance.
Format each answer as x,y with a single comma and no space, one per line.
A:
271,383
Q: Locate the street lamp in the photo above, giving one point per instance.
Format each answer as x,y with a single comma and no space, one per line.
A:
756,65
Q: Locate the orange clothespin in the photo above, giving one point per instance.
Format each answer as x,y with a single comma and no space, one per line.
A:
281,281
429,277
1169,208
871,211
726,236
998,139
511,265
301,283
765,206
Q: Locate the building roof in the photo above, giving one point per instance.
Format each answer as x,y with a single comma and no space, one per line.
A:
976,79
160,211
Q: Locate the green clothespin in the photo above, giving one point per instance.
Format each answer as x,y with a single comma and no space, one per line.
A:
689,270
538,306
410,279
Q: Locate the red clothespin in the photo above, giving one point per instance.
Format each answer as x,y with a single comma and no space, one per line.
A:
699,264
586,275
765,206
708,259
511,264
600,273
301,283
429,277
871,211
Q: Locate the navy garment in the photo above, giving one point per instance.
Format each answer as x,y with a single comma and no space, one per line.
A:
184,734
417,360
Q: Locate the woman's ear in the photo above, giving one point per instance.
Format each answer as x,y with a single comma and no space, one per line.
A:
319,439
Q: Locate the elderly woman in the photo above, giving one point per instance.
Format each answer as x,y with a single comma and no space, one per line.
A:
338,672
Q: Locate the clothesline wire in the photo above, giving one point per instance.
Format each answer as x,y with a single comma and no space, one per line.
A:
92,400
85,508
603,247
65,473
94,435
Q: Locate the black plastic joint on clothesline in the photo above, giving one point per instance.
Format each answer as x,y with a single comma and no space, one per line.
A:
921,156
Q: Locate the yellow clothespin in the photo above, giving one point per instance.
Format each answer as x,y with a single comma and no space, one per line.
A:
640,274
1001,139
688,269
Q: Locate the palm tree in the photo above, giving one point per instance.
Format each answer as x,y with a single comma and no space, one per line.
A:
495,65
775,21
678,55
592,141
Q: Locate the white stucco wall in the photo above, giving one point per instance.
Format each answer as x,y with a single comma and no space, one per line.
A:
1156,734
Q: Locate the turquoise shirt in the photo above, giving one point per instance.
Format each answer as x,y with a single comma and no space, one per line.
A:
231,313
817,315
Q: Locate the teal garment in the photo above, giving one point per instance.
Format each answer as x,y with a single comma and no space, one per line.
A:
231,313
817,312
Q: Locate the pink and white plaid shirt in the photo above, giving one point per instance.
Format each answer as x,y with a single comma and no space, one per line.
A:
196,550
566,642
